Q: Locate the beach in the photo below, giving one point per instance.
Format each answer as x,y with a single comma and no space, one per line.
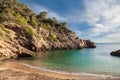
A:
12,70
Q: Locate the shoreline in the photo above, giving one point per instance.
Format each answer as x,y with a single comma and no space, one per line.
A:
69,72
27,69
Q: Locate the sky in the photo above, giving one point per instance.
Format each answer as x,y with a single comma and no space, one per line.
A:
98,20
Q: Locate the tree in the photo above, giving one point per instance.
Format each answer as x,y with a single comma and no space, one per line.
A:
42,15
54,20
64,24
33,22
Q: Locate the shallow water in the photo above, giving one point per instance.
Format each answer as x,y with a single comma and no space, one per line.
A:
96,60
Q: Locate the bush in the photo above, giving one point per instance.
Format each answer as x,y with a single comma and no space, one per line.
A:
60,30
21,20
42,15
30,30
3,17
50,21
47,27
53,37
64,24
33,22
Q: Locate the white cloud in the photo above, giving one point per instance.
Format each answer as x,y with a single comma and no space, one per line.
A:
103,16
110,38
115,36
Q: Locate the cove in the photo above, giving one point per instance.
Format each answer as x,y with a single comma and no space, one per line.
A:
97,60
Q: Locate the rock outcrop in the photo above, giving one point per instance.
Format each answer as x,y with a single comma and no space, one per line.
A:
11,50
22,32
90,44
115,53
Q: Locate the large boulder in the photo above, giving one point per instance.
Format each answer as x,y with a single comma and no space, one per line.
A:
11,50
115,53
90,44
6,50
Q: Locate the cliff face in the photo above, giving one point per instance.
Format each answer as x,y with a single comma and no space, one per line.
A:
23,32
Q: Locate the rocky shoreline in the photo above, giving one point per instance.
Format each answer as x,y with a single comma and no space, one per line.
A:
20,43
23,33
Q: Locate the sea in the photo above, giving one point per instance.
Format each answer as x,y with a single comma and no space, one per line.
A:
88,60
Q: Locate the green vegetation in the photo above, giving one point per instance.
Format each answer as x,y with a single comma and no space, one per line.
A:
54,20
50,21
21,20
47,27
3,17
60,30
52,37
63,24
33,22
13,11
42,15
30,30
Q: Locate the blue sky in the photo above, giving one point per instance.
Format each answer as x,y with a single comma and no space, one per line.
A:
98,20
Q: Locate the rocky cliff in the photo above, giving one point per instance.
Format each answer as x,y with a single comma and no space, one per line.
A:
22,32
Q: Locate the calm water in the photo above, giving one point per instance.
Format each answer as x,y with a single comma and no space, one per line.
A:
96,60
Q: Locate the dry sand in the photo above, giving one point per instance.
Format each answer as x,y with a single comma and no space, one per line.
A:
12,70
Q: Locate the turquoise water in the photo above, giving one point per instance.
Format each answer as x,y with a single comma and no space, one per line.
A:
96,60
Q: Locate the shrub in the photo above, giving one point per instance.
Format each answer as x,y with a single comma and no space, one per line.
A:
21,20
30,30
47,27
52,37
33,22
3,17
51,21
60,30
54,20
42,15
64,24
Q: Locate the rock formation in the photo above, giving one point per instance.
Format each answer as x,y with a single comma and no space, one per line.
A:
115,53
89,44
22,32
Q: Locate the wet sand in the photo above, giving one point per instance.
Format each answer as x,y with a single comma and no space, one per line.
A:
12,70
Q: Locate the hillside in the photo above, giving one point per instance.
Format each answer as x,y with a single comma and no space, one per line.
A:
22,32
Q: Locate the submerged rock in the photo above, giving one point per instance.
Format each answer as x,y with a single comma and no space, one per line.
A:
115,53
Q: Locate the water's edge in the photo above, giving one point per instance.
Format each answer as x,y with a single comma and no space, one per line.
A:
91,61
71,73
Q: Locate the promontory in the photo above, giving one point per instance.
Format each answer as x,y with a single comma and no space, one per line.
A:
23,32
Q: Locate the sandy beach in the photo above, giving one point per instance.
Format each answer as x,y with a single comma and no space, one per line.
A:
12,70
